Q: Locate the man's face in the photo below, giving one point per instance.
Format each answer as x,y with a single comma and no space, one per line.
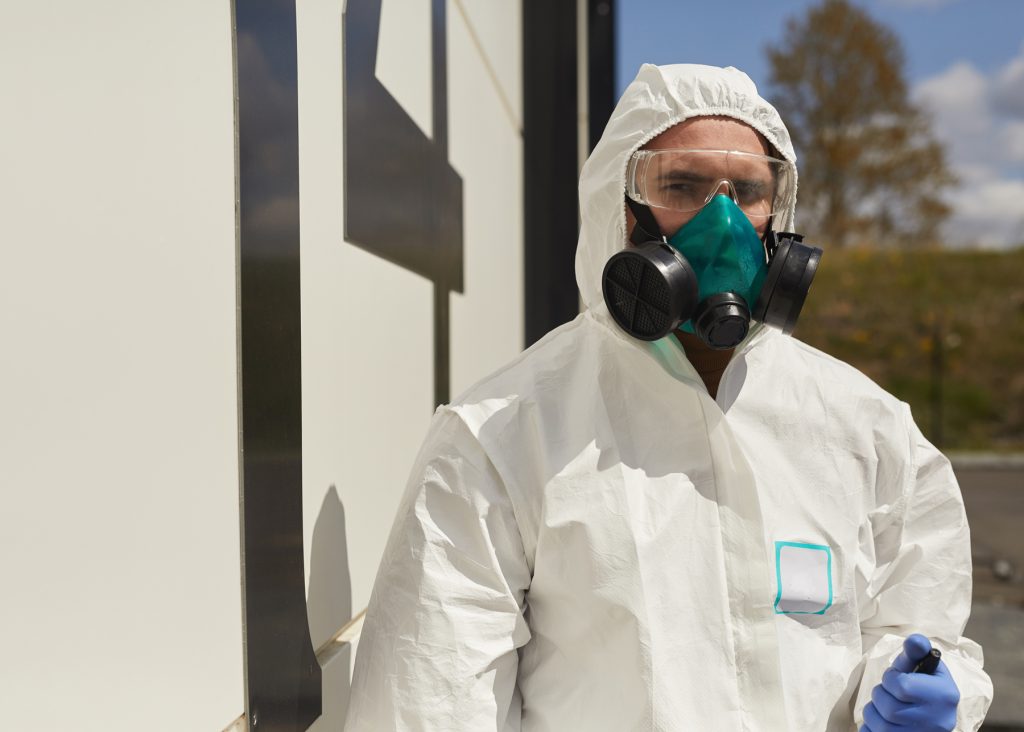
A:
704,133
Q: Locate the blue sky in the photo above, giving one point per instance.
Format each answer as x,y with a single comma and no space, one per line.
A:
965,64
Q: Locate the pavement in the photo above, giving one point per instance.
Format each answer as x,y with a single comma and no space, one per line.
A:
993,491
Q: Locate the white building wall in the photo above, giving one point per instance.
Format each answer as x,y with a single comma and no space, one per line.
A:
367,359
119,544
119,548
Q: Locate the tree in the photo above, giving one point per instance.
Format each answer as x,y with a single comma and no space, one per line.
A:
870,169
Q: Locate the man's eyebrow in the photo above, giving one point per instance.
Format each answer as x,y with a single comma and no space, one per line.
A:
691,177
683,175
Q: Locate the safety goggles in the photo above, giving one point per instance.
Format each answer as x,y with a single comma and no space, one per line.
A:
685,180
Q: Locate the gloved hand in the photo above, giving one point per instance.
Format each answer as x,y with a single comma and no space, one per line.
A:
908,701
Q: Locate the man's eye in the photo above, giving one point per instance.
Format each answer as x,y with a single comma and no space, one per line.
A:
747,189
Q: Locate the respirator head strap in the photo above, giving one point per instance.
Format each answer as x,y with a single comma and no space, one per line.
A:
646,228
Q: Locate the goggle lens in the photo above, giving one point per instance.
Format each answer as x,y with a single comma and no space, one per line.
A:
685,180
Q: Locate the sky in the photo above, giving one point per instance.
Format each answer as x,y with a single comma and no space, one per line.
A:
965,66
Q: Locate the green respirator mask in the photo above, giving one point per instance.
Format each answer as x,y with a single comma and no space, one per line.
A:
711,278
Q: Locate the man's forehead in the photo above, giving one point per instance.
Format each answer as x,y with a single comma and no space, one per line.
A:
711,133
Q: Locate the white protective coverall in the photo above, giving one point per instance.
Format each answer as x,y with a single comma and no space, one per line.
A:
589,541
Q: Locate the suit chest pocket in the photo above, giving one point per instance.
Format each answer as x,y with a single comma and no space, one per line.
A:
803,575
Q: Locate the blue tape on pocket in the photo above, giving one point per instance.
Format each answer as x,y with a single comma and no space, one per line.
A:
803,575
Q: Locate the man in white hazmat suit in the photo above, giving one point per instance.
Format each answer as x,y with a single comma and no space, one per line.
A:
591,540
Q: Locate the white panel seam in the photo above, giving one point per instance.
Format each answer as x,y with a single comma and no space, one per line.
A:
499,89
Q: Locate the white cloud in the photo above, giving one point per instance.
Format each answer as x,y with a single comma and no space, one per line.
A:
989,213
959,99
992,196
977,117
1008,89
1013,141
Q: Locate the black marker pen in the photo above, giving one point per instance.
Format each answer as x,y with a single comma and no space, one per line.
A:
929,663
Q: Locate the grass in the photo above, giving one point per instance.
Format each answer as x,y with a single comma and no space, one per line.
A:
885,312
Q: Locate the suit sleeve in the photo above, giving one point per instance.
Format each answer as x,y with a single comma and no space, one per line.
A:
922,579
438,650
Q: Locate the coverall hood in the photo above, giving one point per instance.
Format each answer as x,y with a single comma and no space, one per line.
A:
657,99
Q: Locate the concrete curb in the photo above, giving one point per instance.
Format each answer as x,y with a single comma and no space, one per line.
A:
986,460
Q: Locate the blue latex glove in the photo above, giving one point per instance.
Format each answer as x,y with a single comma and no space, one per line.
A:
908,701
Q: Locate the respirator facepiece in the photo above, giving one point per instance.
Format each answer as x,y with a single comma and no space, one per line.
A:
712,277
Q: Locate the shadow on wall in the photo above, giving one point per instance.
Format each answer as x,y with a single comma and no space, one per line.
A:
329,607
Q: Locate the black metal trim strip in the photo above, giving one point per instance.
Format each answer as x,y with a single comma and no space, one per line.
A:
550,144
600,67
282,676
550,165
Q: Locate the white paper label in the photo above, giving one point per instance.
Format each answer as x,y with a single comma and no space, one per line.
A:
804,576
